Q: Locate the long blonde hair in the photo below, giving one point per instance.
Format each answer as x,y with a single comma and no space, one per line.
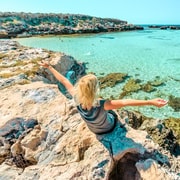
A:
86,91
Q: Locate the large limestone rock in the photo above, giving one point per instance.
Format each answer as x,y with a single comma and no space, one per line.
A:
61,146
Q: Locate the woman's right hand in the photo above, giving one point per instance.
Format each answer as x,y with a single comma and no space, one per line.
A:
158,102
45,64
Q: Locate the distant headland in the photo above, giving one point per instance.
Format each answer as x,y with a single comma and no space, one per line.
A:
32,24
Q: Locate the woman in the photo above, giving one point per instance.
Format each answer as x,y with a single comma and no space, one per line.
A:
94,111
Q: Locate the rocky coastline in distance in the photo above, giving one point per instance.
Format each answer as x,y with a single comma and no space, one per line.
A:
17,25
32,24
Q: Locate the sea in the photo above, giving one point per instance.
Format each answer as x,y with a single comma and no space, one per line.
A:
143,54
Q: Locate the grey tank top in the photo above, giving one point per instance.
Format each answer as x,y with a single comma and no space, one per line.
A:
98,120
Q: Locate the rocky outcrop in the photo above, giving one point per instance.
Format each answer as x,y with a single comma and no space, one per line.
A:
29,24
164,27
55,143
174,102
62,146
134,85
110,80
19,65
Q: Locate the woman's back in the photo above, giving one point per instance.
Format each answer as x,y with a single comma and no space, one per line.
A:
98,120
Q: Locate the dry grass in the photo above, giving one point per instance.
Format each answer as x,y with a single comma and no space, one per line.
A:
2,55
35,61
11,74
24,81
17,63
32,71
29,72
21,63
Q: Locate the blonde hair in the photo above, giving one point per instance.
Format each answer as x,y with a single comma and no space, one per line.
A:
86,91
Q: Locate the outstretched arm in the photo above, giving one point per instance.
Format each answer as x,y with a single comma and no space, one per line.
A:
60,78
115,104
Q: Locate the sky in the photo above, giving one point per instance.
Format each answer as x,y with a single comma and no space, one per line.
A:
133,11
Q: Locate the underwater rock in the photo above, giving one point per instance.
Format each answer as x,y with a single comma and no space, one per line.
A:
156,82
148,88
134,85
174,102
110,80
131,86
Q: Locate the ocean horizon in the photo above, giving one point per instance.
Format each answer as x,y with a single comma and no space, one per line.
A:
145,55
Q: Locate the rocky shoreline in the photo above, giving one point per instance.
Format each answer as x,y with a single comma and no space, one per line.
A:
43,137
33,24
163,27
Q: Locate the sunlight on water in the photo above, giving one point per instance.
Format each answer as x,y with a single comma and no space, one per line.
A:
143,55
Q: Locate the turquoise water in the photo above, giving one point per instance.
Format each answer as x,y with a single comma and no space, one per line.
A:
142,54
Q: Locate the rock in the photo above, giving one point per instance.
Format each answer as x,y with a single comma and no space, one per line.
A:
16,127
110,80
156,82
3,34
131,86
11,134
148,88
174,125
134,85
6,45
174,102
163,133
64,141
149,170
62,147
133,119
163,27
20,66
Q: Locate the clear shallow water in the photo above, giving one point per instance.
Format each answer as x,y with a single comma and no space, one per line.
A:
142,54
